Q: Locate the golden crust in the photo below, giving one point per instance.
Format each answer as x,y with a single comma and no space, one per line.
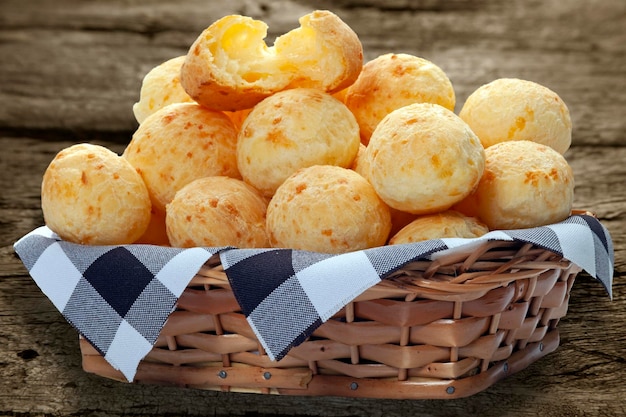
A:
512,109
217,211
327,209
91,196
230,67
180,143
446,224
391,81
422,159
293,129
525,184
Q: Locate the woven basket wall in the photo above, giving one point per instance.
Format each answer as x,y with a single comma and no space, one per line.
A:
442,329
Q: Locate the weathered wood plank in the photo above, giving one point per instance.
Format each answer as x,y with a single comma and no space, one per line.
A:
78,66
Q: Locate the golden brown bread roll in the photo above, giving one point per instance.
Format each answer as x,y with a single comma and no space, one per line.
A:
159,88
180,143
327,209
91,196
217,211
422,159
391,81
513,109
230,67
525,184
293,129
446,224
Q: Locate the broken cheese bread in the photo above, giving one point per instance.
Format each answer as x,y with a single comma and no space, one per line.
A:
230,67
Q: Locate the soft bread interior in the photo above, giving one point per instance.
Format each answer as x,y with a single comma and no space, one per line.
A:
240,50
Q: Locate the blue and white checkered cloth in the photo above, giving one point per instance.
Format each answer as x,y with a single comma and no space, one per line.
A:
119,297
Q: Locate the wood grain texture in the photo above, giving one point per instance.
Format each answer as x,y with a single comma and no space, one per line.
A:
71,70
77,65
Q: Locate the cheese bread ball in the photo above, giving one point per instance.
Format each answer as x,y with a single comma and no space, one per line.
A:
327,209
391,81
217,211
446,224
525,184
91,196
294,129
513,109
230,67
180,143
161,87
422,159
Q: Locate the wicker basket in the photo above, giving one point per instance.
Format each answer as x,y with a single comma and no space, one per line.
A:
437,329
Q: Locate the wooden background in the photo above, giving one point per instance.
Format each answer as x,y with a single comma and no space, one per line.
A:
70,71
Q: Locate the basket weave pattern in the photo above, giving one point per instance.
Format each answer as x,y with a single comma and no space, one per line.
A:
437,329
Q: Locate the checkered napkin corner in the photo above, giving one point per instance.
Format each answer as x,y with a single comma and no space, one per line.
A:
121,318
286,294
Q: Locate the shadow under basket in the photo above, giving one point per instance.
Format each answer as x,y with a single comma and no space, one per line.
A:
439,329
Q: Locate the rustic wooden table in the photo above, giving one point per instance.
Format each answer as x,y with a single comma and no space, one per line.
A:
71,70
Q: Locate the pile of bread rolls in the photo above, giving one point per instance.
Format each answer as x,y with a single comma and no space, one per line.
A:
302,145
